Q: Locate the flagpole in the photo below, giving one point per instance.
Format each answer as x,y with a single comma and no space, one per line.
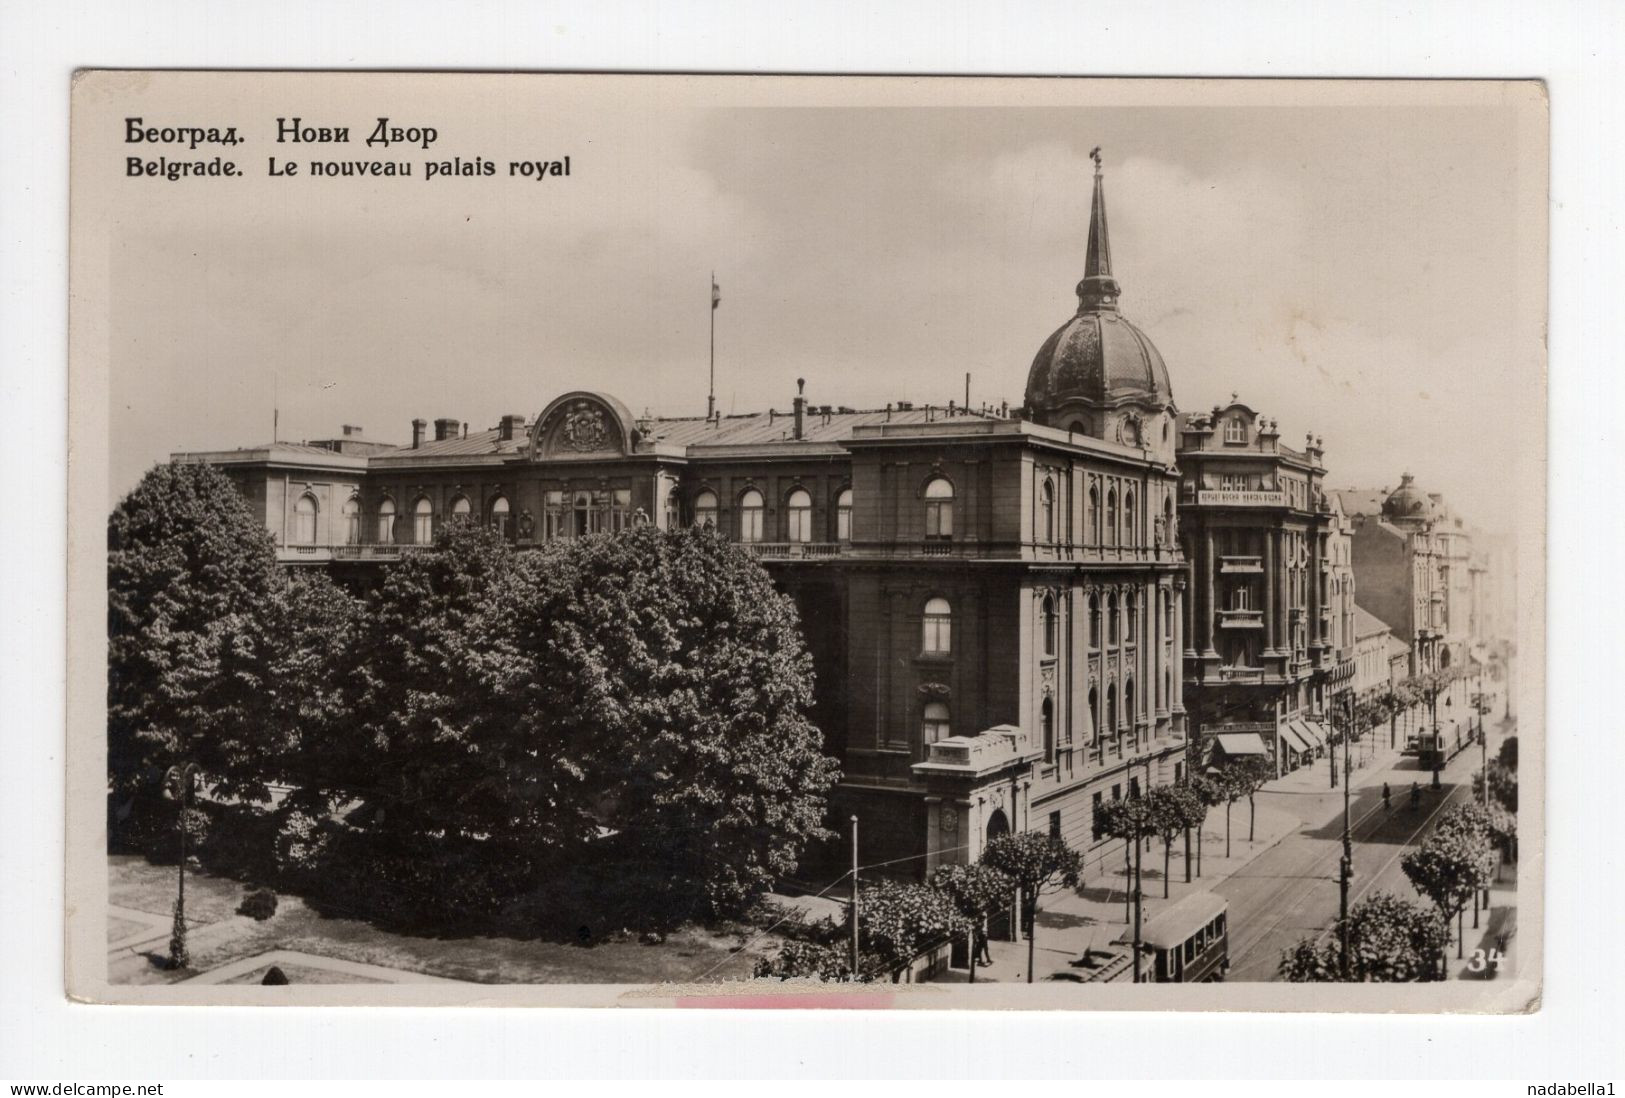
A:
711,390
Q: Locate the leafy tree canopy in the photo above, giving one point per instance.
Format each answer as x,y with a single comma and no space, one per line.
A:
1391,940
189,569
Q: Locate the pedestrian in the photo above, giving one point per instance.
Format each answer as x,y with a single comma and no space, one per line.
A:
1385,805
984,955
1416,796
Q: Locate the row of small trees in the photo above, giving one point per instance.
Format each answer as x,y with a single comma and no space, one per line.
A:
622,717
898,921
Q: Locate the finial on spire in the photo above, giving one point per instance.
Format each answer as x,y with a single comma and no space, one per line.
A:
1098,290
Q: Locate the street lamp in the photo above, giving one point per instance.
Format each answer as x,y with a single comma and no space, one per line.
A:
1346,868
178,787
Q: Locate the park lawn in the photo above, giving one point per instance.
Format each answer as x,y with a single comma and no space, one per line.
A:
689,954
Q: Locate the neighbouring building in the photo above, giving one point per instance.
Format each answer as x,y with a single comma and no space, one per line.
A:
1416,569
992,597
1255,526
1373,652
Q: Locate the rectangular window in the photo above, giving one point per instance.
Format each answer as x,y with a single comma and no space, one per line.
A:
1094,816
1055,825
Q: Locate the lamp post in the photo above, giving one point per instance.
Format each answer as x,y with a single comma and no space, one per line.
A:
1346,868
178,786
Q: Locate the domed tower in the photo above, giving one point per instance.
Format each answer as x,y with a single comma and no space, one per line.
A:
1100,375
1407,505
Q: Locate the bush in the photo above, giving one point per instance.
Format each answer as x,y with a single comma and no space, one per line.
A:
806,961
258,904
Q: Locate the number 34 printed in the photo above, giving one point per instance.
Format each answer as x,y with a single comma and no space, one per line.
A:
1482,960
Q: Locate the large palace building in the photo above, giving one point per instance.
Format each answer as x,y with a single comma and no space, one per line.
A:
993,600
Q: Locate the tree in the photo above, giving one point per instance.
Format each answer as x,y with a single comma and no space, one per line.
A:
1132,821
1172,809
1503,785
1250,773
1450,867
1209,790
189,570
683,672
978,892
897,922
468,799
1228,784
798,960
1035,863
1507,753
1391,940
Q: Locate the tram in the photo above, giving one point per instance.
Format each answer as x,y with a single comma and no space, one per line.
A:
1187,943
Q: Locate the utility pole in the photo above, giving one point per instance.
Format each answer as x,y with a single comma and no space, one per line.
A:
1346,870
1138,854
854,897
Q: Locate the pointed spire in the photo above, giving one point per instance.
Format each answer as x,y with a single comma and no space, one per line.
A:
1098,290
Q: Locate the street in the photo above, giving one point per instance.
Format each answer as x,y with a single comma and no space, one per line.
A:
1291,890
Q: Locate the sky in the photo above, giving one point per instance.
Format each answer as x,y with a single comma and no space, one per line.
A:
1355,271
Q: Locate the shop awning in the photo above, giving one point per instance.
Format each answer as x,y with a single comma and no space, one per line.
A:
1294,738
1317,732
1241,743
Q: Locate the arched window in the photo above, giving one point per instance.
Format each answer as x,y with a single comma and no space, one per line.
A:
1050,625
423,522
1111,709
705,509
939,508
1128,703
1077,427
1046,503
1111,516
798,509
750,516
499,516
1111,620
843,515
1094,710
1094,514
934,723
1235,429
1046,716
937,638
460,509
1167,616
1094,621
1129,529
1130,611
1168,519
304,520
352,521
386,521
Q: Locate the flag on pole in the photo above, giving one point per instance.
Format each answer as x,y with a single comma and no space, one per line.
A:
716,292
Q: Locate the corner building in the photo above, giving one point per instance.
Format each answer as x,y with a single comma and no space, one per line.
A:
992,599
1257,529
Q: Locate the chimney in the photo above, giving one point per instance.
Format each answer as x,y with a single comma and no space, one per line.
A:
417,432
444,429
510,426
352,431
800,405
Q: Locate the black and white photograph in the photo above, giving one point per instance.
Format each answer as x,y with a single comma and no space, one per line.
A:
913,543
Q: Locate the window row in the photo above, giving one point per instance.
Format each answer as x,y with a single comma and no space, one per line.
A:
752,511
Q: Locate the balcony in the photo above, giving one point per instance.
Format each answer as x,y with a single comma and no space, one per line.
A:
1241,566
795,550
1241,619
321,554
